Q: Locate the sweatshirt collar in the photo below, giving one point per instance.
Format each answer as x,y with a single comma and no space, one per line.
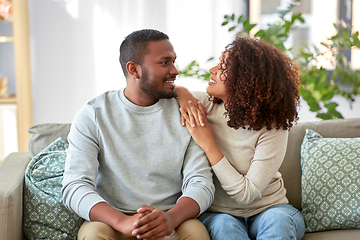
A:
149,109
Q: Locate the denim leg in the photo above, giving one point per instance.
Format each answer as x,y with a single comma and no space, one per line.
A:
224,226
281,221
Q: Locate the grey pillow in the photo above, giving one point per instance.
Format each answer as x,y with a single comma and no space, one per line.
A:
41,135
330,182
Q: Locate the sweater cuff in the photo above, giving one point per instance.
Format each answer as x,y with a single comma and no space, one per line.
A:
201,198
84,201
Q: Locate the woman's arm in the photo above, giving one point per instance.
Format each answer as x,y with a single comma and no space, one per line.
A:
261,178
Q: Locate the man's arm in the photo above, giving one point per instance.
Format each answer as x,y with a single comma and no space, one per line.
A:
186,208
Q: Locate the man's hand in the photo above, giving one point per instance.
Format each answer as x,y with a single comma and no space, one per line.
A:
127,224
103,212
153,224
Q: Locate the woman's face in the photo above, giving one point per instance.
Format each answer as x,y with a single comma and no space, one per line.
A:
216,86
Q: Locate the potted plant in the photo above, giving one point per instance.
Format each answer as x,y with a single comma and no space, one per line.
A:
319,85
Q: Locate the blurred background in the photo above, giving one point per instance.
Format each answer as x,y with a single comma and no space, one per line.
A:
74,46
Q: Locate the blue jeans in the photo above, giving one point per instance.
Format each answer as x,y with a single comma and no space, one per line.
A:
281,221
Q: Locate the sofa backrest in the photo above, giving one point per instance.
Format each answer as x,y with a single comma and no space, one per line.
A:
44,134
291,168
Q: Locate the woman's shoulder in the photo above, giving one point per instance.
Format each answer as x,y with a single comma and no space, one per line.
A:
200,95
273,133
204,99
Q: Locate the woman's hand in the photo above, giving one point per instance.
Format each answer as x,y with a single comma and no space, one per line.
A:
193,115
203,135
184,96
197,124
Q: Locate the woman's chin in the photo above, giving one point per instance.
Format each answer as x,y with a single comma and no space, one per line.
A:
209,92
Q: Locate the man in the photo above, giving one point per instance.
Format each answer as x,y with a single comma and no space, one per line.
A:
131,168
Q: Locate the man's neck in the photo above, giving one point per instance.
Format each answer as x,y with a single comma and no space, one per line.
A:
137,97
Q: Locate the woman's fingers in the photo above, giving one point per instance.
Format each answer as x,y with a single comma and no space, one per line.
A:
201,114
195,115
183,120
187,117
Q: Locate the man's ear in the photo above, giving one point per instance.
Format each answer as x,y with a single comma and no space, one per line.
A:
133,69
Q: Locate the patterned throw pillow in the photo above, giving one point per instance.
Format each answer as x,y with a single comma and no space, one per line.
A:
330,182
45,216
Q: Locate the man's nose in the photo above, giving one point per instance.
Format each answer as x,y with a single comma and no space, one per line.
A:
174,71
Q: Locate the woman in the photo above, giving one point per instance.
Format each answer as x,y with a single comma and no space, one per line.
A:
243,129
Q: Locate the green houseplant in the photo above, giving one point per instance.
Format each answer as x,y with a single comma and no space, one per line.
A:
319,85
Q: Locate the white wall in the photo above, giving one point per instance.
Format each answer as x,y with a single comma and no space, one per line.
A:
8,129
74,46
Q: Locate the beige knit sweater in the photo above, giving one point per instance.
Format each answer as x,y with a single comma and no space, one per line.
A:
247,179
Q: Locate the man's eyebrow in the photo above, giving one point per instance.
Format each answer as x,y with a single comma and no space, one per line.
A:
167,58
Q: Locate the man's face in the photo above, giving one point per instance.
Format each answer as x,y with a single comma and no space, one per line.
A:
158,71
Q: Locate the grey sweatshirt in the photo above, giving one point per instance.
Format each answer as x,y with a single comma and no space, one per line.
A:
129,155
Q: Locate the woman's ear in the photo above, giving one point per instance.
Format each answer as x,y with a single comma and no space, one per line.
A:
133,69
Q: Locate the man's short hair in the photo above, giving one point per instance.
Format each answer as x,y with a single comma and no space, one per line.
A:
134,47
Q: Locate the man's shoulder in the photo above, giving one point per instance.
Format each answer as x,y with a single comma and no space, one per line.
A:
98,105
104,97
171,102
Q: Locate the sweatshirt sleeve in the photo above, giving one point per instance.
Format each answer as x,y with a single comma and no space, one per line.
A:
268,156
197,177
81,167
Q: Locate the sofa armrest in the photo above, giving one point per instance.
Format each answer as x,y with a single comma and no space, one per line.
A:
12,171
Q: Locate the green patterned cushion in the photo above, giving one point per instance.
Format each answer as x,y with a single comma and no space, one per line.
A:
45,216
330,182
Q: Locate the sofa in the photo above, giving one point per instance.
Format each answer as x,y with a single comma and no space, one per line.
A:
12,171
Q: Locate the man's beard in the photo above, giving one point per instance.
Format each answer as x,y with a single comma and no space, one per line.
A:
150,88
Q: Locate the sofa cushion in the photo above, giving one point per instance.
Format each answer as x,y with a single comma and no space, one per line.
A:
291,168
330,182
42,135
45,216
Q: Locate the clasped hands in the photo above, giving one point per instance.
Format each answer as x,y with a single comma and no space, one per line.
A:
151,223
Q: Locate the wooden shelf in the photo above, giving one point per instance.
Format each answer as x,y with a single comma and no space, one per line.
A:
10,99
23,98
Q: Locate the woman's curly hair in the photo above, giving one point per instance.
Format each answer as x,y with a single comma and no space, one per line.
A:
262,86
